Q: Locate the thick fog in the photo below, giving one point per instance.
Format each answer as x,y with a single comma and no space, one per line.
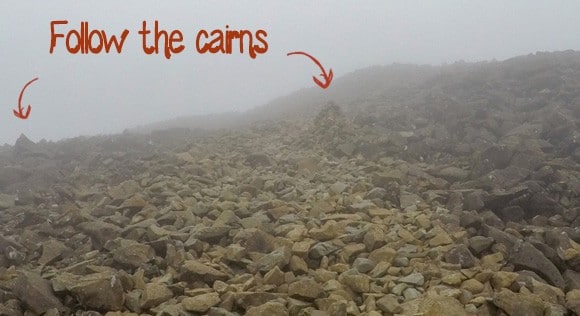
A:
106,93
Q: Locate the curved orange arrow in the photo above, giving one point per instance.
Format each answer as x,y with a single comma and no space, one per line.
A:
327,77
19,113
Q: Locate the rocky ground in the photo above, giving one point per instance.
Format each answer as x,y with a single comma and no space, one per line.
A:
459,199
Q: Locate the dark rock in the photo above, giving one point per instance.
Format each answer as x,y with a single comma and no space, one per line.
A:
100,291
474,201
460,255
322,249
489,218
134,255
470,219
511,213
36,293
277,258
193,270
510,241
100,232
526,256
572,279
478,244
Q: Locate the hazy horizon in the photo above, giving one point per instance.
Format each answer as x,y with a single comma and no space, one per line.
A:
100,94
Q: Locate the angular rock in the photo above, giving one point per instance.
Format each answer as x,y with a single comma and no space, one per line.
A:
389,304
100,232
358,283
194,270
528,257
478,244
154,294
518,303
52,250
201,303
306,288
36,293
413,279
99,291
460,255
270,308
134,254
322,249
277,258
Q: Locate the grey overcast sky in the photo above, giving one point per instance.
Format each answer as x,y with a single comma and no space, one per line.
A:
95,94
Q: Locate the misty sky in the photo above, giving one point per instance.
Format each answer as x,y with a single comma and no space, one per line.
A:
95,94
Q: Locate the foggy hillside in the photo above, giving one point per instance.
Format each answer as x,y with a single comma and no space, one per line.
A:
401,190
484,85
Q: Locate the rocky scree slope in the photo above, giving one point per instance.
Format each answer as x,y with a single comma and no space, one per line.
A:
458,196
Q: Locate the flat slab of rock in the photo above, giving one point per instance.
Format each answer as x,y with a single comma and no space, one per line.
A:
100,291
530,258
194,270
201,303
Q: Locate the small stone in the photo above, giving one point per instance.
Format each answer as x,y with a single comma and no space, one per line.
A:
270,309
411,294
201,303
503,279
100,232
373,239
359,283
134,254
380,270
305,289
136,203
423,221
519,303
363,265
322,249
194,270
478,244
338,187
277,258
154,294
573,301
383,254
301,248
473,286
474,200
440,239
376,193
330,230
399,288
401,262
389,304
453,279
460,255
413,279
407,199
492,261
440,306
298,265
274,277
406,236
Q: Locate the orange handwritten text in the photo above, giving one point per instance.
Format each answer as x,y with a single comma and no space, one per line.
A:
219,41
85,40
